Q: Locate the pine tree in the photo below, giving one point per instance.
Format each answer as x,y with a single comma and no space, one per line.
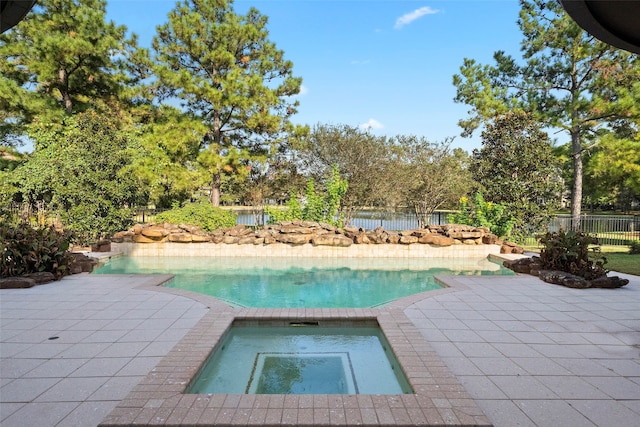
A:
568,80
226,72
60,60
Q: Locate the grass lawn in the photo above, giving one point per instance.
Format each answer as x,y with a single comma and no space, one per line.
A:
622,262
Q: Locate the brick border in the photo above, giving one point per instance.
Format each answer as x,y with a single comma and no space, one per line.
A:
438,399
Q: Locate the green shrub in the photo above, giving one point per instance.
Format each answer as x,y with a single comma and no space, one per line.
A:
91,222
494,216
201,214
26,249
291,211
317,207
572,252
634,248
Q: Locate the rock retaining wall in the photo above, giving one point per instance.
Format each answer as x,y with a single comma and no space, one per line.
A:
297,233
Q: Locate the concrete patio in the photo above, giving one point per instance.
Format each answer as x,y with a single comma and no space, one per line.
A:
527,352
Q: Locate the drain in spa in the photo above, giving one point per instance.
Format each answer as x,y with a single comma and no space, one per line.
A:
294,360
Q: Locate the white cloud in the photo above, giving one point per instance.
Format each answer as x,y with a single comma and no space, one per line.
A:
303,90
408,18
371,124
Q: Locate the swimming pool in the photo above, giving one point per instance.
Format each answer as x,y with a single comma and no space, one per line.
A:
272,282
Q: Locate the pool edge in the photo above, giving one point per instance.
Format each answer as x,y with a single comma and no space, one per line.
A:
159,398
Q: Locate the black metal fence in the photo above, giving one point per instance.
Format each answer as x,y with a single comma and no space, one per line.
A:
610,229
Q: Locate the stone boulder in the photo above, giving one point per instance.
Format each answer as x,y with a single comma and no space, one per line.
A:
572,281
200,238
41,277
16,283
530,266
407,240
101,246
295,239
155,233
332,240
436,240
181,237
533,266
82,263
139,238
511,248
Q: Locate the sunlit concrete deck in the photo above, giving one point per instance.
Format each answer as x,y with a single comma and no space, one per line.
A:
526,352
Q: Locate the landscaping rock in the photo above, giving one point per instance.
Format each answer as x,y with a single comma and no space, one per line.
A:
609,282
101,246
41,277
524,265
139,238
533,266
82,263
511,248
246,240
331,240
16,283
489,239
302,232
436,240
394,238
198,238
181,237
155,232
407,240
295,239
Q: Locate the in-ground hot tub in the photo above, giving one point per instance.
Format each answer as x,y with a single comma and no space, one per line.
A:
163,396
302,357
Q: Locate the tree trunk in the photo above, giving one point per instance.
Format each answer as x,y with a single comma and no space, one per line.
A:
576,193
215,189
216,177
63,80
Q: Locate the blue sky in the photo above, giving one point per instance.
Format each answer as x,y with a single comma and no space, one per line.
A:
384,65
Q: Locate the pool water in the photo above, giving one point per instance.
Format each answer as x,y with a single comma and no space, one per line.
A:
302,360
303,282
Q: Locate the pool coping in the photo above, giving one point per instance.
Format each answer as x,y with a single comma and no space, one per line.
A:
438,399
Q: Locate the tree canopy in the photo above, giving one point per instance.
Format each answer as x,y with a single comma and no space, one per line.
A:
225,71
567,79
61,59
516,166
83,172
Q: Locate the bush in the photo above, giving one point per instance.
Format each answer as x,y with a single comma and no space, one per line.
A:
201,214
494,216
572,252
26,249
317,207
634,248
91,222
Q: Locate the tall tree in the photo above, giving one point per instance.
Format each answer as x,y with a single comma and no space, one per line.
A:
516,166
568,80
613,171
226,72
58,61
83,172
167,166
429,175
362,159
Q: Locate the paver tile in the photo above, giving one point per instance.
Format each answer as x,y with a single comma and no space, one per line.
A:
553,413
40,414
